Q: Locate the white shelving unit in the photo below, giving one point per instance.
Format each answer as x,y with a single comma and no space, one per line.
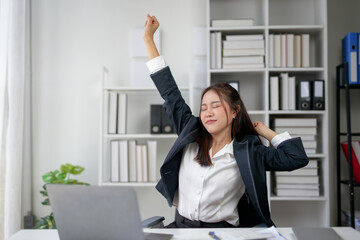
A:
275,17
137,127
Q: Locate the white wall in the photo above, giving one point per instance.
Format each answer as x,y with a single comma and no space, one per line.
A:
343,17
71,41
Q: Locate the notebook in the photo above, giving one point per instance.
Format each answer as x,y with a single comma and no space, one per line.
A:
97,212
303,233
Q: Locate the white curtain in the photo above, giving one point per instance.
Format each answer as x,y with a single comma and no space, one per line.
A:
13,74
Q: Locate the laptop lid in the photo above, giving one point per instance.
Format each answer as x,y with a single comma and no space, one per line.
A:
95,212
303,233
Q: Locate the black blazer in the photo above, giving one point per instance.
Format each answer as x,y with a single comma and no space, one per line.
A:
253,158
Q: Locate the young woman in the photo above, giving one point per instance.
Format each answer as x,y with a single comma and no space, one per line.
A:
215,172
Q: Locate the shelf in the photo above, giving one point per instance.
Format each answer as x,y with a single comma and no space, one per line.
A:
296,28
299,112
245,29
131,184
138,89
274,198
141,136
347,182
254,70
352,86
352,134
310,69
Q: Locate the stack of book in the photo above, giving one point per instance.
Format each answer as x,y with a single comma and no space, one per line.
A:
306,128
237,51
131,162
302,182
117,103
289,50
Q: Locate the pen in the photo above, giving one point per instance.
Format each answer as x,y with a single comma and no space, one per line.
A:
213,235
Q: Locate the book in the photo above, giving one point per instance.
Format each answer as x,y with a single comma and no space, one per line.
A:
312,164
139,164
284,91
274,93
292,93
112,112
310,151
297,130
244,37
309,144
305,137
297,186
355,161
132,160
250,65
234,44
152,157
114,159
122,103
271,50
124,166
297,192
243,60
232,22
212,50
305,50
299,172
277,50
218,49
244,52
283,50
295,122
297,51
290,50
145,165
297,179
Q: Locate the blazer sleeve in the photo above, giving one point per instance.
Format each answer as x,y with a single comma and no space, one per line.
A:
178,111
288,156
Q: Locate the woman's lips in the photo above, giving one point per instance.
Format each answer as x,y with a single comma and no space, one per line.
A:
210,121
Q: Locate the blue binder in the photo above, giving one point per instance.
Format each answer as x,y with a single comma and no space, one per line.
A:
350,50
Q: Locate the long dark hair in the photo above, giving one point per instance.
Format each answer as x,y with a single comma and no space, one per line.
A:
241,125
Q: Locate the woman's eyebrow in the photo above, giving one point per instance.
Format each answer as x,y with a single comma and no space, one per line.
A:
204,104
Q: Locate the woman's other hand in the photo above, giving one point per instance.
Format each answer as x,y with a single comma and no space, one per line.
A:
264,131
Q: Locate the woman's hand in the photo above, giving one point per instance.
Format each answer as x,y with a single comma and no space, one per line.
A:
264,131
151,25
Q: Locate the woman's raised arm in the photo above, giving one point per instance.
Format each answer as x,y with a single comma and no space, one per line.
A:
151,25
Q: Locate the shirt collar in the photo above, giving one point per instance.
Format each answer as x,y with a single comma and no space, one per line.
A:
227,149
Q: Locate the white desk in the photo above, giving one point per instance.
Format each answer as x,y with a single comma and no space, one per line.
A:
347,233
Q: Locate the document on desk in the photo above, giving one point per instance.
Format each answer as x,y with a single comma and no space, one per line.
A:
247,234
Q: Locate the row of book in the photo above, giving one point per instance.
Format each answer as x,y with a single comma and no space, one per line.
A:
288,94
289,50
117,103
236,51
306,128
355,149
303,182
132,162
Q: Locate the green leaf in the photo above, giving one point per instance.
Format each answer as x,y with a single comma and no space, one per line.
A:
46,202
76,170
60,176
66,168
44,193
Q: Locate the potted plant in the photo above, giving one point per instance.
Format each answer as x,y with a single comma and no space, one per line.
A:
58,177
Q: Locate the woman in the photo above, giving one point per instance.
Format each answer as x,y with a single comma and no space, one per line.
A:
215,172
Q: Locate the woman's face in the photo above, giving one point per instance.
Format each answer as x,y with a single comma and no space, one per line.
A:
216,116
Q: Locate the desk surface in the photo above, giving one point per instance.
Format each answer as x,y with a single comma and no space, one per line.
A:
346,233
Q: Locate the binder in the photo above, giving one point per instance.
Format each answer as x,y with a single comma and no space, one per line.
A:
167,126
155,118
350,52
303,95
318,102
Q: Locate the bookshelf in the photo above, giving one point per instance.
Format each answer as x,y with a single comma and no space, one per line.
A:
137,128
280,17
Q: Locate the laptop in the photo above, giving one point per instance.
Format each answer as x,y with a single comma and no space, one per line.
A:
304,233
97,212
